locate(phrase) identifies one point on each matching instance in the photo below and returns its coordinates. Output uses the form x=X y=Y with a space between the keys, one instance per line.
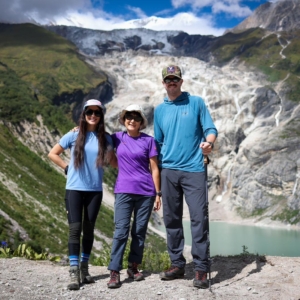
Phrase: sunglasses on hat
x=169 y=80
x=90 y=112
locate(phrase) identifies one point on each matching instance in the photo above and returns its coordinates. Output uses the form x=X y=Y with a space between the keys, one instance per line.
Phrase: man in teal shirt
x=184 y=133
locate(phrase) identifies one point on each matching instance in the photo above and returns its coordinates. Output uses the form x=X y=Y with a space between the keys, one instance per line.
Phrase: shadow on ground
x=225 y=268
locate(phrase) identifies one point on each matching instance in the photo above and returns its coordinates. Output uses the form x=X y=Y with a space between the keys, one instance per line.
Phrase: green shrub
x=153 y=260
x=288 y=215
x=24 y=250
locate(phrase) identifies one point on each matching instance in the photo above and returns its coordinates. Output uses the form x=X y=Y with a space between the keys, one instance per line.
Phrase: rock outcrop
x=281 y=15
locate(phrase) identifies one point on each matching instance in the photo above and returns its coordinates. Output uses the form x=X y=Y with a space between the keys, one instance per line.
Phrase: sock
x=74 y=260
x=85 y=257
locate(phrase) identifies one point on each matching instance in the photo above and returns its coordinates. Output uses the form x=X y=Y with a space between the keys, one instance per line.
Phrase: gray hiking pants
x=175 y=184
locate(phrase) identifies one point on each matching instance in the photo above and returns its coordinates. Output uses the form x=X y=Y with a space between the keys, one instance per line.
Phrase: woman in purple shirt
x=137 y=190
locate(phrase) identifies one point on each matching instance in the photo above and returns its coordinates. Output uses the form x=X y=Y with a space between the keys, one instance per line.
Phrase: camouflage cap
x=171 y=71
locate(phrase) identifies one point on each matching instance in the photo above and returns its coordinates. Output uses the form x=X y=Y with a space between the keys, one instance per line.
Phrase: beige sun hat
x=137 y=108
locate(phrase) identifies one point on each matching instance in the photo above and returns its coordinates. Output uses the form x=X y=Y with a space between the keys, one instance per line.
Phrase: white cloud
x=87 y=20
x=21 y=10
x=164 y=12
x=140 y=14
x=80 y=13
x=187 y=22
x=231 y=7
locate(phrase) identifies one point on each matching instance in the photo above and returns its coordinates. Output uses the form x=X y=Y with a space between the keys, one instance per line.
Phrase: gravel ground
x=232 y=278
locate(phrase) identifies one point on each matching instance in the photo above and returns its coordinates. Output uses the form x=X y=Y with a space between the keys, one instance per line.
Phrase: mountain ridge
x=282 y=15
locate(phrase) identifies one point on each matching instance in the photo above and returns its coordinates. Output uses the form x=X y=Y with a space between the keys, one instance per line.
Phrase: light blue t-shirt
x=179 y=128
x=88 y=177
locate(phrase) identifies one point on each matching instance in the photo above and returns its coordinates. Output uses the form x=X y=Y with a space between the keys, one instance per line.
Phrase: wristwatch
x=66 y=169
x=211 y=144
x=158 y=194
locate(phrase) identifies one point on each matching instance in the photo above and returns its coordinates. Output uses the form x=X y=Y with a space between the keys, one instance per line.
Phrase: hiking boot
x=114 y=281
x=173 y=273
x=200 y=280
x=133 y=272
x=84 y=273
x=74 y=278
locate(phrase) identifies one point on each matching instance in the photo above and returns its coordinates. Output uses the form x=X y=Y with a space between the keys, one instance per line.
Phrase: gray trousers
x=142 y=207
x=175 y=184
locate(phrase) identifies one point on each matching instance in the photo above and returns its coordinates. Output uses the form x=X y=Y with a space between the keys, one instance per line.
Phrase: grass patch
x=288 y=216
x=258 y=212
x=291 y=129
x=45 y=60
x=36 y=67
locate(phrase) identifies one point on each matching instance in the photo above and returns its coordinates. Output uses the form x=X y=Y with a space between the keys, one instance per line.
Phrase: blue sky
x=193 y=16
x=236 y=10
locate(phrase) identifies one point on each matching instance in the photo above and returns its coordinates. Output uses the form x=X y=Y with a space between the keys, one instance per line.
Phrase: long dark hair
x=80 y=142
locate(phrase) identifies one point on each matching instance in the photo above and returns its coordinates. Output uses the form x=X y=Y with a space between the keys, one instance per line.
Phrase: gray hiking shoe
x=133 y=272
x=74 y=278
x=84 y=273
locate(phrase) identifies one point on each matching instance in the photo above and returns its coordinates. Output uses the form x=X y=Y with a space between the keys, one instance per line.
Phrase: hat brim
x=122 y=115
x=172 y=75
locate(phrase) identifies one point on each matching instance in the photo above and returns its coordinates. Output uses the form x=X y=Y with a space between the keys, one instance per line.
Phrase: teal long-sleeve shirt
x=179 y=128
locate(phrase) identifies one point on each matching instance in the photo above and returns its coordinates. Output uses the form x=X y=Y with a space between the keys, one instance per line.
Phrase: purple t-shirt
x=134 y=155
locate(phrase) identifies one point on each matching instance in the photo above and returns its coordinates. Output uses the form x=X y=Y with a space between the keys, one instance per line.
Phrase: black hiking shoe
x=133 y=272
x=84 y=273
x=114 y=281
x=200 y=280
x=173 y=273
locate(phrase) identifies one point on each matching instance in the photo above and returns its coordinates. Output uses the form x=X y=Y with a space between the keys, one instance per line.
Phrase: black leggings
x=80 y=203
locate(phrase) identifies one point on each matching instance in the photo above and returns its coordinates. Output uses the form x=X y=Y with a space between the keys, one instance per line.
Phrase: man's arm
x=207 y=146
x=209 y=130
x=158 y=134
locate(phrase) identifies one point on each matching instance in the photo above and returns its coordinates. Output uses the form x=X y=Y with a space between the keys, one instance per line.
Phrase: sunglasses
x=90 y=112
x=136 y=118
x=169 y=80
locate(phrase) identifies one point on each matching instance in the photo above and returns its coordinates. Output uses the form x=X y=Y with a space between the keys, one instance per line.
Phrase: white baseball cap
x=92 y=102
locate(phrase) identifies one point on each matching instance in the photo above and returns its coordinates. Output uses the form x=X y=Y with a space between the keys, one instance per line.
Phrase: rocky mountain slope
x=170 y=43
x=255 y=165
x=282 y=15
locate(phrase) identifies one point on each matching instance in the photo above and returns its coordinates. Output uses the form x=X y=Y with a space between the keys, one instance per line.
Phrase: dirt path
x=271 y=278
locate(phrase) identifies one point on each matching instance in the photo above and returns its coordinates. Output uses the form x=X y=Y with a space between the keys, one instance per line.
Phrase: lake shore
x=218 y=212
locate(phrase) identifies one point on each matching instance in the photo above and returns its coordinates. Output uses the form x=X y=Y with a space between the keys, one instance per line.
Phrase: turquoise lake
x=229 y=239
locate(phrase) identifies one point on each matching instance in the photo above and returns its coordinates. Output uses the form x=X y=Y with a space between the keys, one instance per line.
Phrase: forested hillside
x=43 y=79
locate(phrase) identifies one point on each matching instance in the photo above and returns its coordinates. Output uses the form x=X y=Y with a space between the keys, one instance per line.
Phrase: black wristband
x=211 y=145
x=66 y=169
